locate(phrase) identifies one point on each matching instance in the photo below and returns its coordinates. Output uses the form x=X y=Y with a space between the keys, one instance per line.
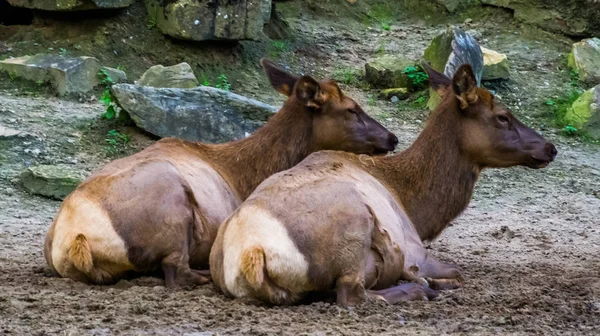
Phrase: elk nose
x=393 y=140
x=551 y=150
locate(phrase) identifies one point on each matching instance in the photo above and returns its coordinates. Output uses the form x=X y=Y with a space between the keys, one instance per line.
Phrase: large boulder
x=448 y=51
x=495 y=65
x=176 y=76
x=584 y=114
x=201 y=20
x=65 y=74
x=200 y=114
x=585 y=60
x=54 y=181
x=70 y=5
x=571 y=17
x=387 y=71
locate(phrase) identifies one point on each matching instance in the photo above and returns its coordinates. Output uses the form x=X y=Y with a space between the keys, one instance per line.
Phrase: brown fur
x=358 y=223
x=161 y=208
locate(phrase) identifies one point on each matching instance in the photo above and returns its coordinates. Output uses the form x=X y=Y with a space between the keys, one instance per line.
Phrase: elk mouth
x=380 y=151
x=538 y=163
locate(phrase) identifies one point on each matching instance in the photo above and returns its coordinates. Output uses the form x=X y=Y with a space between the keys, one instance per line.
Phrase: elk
x=354 y=224
x=160 y=209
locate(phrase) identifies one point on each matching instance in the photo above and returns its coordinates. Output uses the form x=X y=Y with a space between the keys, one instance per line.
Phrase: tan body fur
x=161 y=208
x=354 y=223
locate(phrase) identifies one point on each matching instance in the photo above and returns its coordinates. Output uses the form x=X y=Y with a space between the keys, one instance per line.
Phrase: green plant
x=115 y=142
x=151 y=24
x=569 y=130
x=346 y=75
x=205 y=81
x=12 y=75
x=62 y=51
x=372 y=100
x=381 y=15
x=78 y=46
x=417 y=77
x=39 y=82
x=276 y=48
x=223 y=84
x=107 y=97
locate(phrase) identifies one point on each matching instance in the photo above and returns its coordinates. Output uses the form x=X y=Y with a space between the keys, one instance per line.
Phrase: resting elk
x=353 y=224
x=160 y=209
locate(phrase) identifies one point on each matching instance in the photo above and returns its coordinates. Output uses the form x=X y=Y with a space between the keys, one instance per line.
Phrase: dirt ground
x=529 y=242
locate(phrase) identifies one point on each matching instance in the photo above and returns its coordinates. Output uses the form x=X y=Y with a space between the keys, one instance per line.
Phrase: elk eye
x=503 y=119
x=353 y=111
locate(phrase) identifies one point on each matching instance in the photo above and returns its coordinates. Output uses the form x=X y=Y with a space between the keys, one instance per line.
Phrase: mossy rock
x=585 y=60
x=388 y=72
x=202 y=20
x=176 y=76
x=53 y=181
x=584 y=114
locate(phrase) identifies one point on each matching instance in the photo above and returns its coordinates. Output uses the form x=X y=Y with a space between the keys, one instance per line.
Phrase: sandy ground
x=529 y=244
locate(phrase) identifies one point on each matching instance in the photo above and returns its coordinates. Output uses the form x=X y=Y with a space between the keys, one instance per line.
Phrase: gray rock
x=387 y=71
x=70 y=5
x=118 y=76
x=574 y=17
x=54 y=181
x=66 y=74
x=200 y=114
x=495 y=65
x=175 y=76
x=585 y=60
x=202 y=20
x=8 y=132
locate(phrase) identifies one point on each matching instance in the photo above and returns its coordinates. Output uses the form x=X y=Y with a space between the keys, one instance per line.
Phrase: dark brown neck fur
x=280 y=144
x=432 y=178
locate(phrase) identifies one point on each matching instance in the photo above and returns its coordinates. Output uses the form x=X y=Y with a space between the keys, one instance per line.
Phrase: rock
x=574 y=17
x=453 y=5
x=54 y=181
x=200 y=114
x=448 y=51
x=400 y=93
x=118 y=76
x=65 y=74
x=495 y=65
x=175 y=76
x=201 y=20
x=70 y=5
x=585 y=60
x=388 y=72
x=584 y=114
x=8 y=132
x=453 y=48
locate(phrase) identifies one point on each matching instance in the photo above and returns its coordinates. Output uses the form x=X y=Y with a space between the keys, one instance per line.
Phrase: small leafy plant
x=277 y=48
x=115 y=142
x=223 y=83
x=569 y=130
x=107 y=97
x=417 y=77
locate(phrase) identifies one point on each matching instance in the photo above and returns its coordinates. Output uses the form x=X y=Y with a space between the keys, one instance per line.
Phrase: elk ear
x=282 y=81
x=464 y=86
x=437 y=80
x=308 y=91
